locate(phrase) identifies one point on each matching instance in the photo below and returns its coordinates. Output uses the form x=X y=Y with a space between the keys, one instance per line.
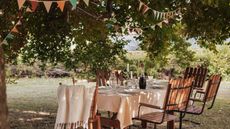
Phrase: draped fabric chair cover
x=74 y=106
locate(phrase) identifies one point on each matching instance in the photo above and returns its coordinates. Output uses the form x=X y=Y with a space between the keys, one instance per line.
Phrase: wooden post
x=4 y=124
x=170 y=124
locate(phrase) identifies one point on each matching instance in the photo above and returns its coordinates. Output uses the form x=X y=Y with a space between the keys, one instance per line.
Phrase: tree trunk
x=3 y=98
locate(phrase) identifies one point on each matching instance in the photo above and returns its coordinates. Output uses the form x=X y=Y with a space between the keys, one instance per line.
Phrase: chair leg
x=98 y=122
x=143 y=124
x=181 y=120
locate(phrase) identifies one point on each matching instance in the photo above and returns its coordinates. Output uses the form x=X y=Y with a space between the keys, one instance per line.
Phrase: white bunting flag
x=140 y=5
x=19 y=23
x=157 y=15
x=20 y=3
x=154 y=13
x=86 y=2
x=28 y=10
x=47 y=5
x=160 y=24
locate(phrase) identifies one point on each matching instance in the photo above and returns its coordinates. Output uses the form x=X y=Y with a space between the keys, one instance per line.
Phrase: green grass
x=33 y=105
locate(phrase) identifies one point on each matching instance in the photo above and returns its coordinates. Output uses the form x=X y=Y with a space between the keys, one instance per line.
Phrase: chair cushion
x=155 y=117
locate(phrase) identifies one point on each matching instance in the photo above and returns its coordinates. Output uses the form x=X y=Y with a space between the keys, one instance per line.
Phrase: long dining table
x=123 y=102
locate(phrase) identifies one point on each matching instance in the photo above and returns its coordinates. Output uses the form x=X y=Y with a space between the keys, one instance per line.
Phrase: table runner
x=74 y=104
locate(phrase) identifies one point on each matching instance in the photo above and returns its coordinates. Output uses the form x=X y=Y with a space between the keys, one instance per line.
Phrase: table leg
x=143 y=124
x=170 y=124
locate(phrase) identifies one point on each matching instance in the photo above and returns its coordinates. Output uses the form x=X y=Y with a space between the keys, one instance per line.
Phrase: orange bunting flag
x=34 y=5
x=20 y=3
x=145 y=9
x=28 y=10
x=47 y=5
x=61 y=5
x=15 y=30
x=86 y=2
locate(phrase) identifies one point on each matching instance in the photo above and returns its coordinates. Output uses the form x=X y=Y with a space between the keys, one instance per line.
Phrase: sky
x=133 y=43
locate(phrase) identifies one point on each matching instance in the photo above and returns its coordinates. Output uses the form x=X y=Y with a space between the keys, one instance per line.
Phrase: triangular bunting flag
x=172 y=14
x=34 y=5
x=47 y=5
x=157 y=15
x=166 y=21
x=20 y=3
x=145 y=9
x=19 y=23
x=161 y=16
x=154 y=13
x=160 y=24
x=140 y=5
x=74 y=3
x=9 y=36
x=28 y=10
x=167 y=15
x=61 y=5
x=86 y=2
x=164 y=15
x=15 y=30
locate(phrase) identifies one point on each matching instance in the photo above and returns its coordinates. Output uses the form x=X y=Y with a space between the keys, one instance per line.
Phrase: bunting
x=29 y=10
x=86 y=2
x=15 y=30
x=47 y=5
x=34 y=5
x=20 y=3
x=74 y=3
x=61 y=5
x=157 y=15
x=140 y=5
x=145 y=9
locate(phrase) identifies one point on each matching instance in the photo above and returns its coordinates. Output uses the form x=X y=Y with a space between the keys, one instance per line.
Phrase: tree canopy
x=71 y=35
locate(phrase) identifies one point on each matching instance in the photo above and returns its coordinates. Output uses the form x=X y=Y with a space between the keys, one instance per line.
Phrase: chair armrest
x=200 y=91
x=197 y=100
x=150 y=106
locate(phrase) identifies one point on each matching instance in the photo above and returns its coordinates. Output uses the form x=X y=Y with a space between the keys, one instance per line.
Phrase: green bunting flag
x=74 y=3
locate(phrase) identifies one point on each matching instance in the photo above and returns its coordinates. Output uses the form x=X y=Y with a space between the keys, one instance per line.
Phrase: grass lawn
x=33 y=105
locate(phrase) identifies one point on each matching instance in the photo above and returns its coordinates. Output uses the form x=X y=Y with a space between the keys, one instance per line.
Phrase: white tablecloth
x=74 y=104
x=126 y=105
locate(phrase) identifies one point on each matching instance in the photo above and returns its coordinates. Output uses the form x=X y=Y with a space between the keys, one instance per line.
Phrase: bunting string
x=144 y=8
x=14 y=28
x=48 y=4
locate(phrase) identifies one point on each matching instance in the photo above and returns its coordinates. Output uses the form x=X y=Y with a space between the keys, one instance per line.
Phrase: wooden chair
x=95 y=119
x=177 y=98
x=199 y=75
x=208 y=96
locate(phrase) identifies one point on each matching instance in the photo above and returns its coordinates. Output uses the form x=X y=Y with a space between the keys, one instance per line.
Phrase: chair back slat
x=213 y=86
x=199 y=75
x=178 y=92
